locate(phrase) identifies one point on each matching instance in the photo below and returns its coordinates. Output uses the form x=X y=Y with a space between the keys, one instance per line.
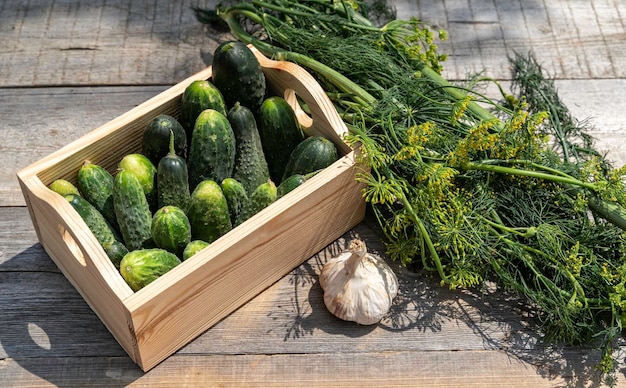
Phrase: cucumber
x=132 y=211
x=155 y=143
x=238 y=75
x=250 y=167
x=172 y=180
x=97 y=224
x=289 y=184
x=194 y=247
x=96 y=186
x=212 y=150
x=116 y=251
x=63 y=187
x=261 y=197
x=236 y=198
x=280 y=134
x=106 y=235
x=145 y=171
x=208 y=212
x=198 y=96
x=141 y=267
x=312 y=154
x=171 y=229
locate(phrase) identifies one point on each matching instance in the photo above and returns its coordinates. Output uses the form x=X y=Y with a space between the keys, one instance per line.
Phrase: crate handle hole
x=292 y=99
x=72 y=245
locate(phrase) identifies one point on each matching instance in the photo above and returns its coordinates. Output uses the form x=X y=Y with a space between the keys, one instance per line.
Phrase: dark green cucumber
x=132 y=211
x=312 y=154
x=143 y=266
x=194 y=247
x=172 y=180
x=208 y=212
x=146 y=172
x=63 y=187
x=237 y=199
x=198 y=96
x=99 y=226
x=212 y=150
x=250 y=165
x=96 y=186
x=106 y=235
x=293 y=181
x=238 y=75
x=280 y=134
x=116 y=251
x=171 y=229
x=289 y=184
x=155 y=143
x=261 y=197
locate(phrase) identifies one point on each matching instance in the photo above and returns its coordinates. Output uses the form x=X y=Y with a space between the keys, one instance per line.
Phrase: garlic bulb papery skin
x=358 y=286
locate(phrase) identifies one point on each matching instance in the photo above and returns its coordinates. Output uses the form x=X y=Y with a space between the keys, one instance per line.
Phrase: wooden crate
x=159 y=319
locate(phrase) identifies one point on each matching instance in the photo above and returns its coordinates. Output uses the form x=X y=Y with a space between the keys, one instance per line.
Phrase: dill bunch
x=469 y=188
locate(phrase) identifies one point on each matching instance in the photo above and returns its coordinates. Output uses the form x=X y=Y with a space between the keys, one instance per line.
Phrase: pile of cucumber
x=233 y=150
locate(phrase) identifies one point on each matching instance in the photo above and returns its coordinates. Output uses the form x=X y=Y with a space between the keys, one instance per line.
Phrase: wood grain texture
x=572 y=39
x=117 y=42
x=444 y=369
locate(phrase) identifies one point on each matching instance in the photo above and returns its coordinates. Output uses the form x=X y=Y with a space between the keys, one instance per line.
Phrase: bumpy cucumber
x=238 y=75
x=171 y=229
x=141 y=267
x=145 y=171
x=63 y=187
x=261 y=197
x=106 y=235
x=212 y=150
x=280 y=134
x=312 y=154
x=194 y=247
x=95 y=221
x=198 y=96
x=208 y=212
x=172 y=180
x=132 y=211
x=96 y=186
x=237 y=199
x=155 y=143
x=250 y=165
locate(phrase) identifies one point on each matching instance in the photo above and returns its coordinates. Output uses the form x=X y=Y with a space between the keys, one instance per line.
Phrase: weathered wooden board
x=573 y=39
x=155 y=42
x=442 y=369
x=117 y=42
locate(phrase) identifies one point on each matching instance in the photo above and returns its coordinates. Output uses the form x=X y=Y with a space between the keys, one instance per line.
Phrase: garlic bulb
x=358 y=286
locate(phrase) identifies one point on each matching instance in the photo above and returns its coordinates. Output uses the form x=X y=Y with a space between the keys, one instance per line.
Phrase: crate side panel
x=77 y=253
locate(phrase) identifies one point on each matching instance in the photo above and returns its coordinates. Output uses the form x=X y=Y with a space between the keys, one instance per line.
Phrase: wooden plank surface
x=69 y=66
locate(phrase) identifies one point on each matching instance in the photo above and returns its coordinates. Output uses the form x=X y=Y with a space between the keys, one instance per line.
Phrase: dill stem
x=422 y=228
x=458 y=94
x=529 y=173
x=522 y=232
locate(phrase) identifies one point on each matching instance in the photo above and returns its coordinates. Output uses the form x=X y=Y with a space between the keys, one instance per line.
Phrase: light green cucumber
x=208 y=212
x=132 y=211
x=237 y=199
x=143 y=266
x=171 y=229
